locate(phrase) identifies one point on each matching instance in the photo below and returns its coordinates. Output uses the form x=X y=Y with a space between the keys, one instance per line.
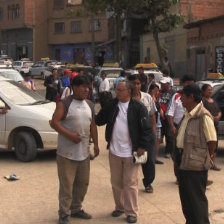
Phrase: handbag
x=140 y=159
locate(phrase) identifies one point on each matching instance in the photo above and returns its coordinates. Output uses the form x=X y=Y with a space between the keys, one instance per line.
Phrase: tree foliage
x=157 y=12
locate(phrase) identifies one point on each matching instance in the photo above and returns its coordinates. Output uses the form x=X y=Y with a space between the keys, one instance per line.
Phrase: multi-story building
x=59 y=29
x=23 y=26
x=72 y=32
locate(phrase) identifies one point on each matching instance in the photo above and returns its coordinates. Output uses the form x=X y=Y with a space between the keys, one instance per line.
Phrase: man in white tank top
x=75 y=122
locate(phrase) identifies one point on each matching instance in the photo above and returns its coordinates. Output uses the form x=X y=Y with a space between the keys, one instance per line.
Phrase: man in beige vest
x=196 y=142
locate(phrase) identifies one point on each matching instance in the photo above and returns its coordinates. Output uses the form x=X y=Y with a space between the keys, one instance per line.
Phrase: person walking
x=74 y=121
x=52 y=86
x=144 y=80
x=165 y=96
x=154 y=92
x=148 y=168
x=104 y=90
x=196 y=142
x=128 y=130
x=215 y=111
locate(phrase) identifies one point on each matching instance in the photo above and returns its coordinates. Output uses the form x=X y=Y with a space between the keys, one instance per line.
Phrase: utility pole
x=92 y=22
x=34 y=31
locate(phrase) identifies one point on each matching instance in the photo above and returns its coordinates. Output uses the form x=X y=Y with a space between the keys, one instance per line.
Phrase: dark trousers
x=165 y=130
x=192 y=187
x=148 y=169
x=104 y=98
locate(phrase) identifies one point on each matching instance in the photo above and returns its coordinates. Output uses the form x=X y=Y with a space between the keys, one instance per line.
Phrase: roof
x=199 y=22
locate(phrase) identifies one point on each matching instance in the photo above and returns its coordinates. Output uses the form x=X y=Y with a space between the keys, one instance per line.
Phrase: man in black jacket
x=128 y=130
x=52 y=86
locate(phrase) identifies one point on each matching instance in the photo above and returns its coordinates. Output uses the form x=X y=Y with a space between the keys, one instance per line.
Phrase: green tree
x=160 y=19
x=118 y=9
x=157 y=12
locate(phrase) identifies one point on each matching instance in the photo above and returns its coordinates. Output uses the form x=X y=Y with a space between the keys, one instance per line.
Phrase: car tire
x=25 y=147
x=42 y=76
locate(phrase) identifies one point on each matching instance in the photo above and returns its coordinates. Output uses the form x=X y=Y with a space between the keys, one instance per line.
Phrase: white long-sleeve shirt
x=104 y=86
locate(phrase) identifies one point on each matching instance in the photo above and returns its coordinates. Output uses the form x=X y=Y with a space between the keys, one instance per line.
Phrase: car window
x=18 y=94
x=12 y=74
x=16 y=63
x=39 y=63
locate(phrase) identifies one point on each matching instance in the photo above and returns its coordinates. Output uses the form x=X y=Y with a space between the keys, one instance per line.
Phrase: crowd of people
x=137 y=120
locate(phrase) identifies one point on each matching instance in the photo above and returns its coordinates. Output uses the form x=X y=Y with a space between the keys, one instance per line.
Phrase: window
x=1 y=13
x=58 y=4
x=59 y=28
x=95 y=25
x=17 y=9
x=13 y=12
x=76 y=26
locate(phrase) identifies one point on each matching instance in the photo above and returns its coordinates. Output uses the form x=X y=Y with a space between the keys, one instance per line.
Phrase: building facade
x=72 y=32
x=205 y=45
x=23 y=24
x=58 y=29
x=175 y=42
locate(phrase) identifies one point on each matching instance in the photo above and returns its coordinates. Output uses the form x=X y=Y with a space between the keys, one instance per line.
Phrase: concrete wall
x=74 y=13
x=205 y=37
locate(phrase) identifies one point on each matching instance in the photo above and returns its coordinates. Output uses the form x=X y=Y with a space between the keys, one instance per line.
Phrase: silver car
x=39 y=69
x=22 y=66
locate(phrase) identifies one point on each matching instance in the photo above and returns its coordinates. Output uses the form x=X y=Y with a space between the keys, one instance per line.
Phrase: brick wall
x=200 y=9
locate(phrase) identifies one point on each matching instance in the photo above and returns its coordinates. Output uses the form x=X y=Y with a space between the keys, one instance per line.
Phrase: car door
x=2 y=125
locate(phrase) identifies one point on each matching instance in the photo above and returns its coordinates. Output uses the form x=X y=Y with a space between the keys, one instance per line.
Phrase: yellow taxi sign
x=45 y=59
x=148 y=65
x=216 y=75
x=74 y=65
x=111 y=64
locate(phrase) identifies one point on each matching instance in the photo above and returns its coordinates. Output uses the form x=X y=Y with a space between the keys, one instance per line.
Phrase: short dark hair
x=134 y=77
x=153 y=86
x=194 y=90
x=165 y=71
x=140 y=68
x=54 y=69
x=186 y=78
x=80 y=80
x=151 y=75
x=204 y=87
x=122 y=73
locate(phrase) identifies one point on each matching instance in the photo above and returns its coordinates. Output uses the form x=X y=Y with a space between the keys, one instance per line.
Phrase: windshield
x=18 y=94
x=12 y=74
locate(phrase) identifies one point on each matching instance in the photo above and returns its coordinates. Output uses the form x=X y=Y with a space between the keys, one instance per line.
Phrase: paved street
x=34 y=198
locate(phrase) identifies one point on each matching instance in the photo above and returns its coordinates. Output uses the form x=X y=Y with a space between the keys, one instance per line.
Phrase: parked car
x=11 y=74
x=22 y=66
x=148 y=68
x=25 y=127
x=218 y=96
x=39 y=69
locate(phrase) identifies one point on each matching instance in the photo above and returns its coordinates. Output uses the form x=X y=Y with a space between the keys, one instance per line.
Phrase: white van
x=25 y=127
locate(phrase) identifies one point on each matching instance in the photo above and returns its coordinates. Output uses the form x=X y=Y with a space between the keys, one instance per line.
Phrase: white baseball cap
x=165 y=80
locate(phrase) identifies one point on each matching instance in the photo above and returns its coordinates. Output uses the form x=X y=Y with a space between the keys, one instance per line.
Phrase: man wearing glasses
x=128 y=130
